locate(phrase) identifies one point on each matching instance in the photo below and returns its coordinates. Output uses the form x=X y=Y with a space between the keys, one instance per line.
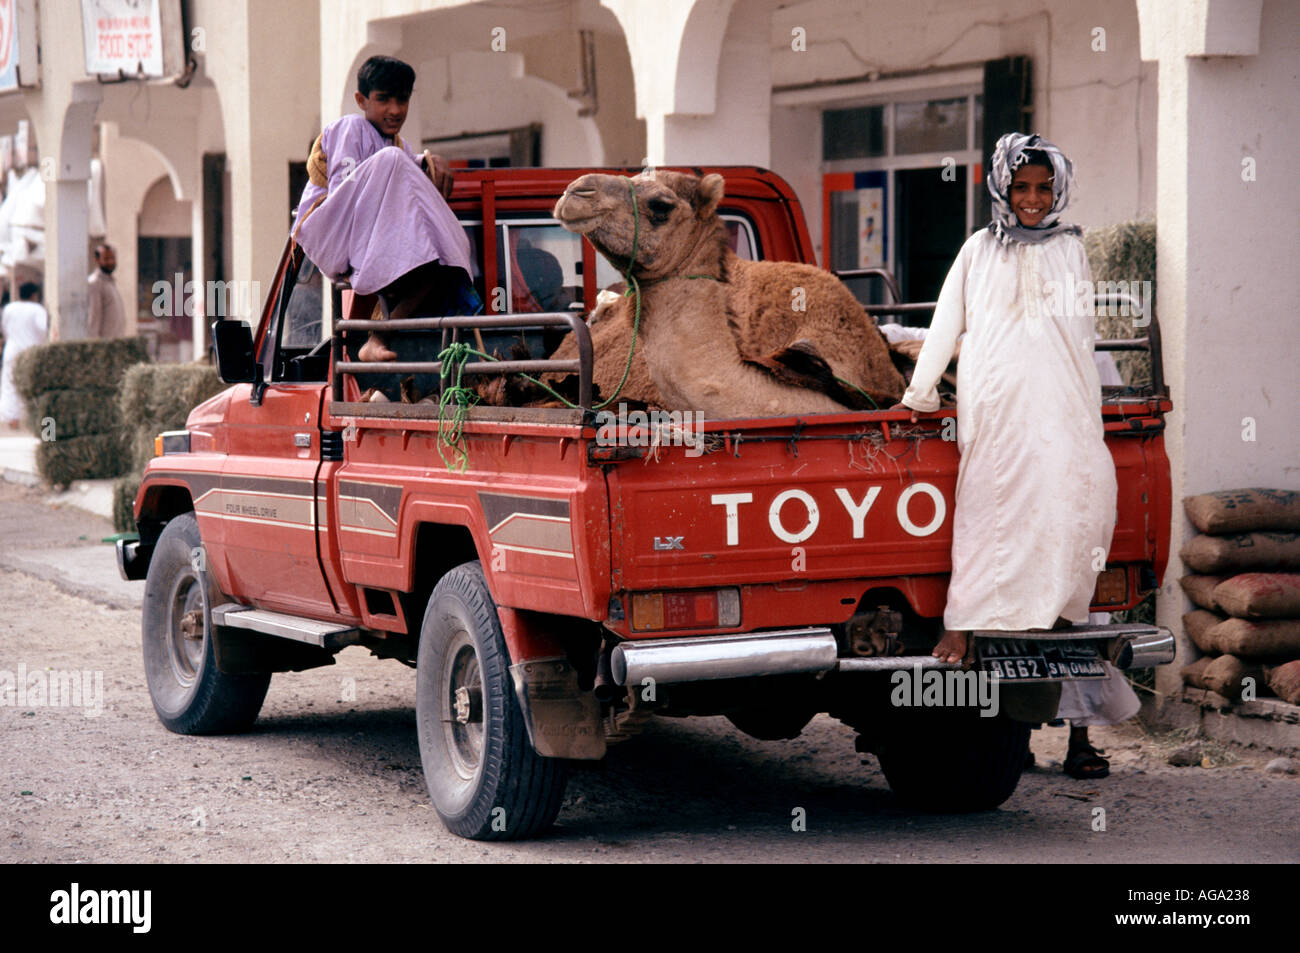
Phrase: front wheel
x=189 y=693
x=952 y=760
x=485 y=779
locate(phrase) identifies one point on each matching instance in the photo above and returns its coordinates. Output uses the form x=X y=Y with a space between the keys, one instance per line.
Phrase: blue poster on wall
x=872 y=249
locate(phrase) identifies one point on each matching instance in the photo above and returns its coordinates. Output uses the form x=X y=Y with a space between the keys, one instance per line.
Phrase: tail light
x=685 y=609
x=1112 y=587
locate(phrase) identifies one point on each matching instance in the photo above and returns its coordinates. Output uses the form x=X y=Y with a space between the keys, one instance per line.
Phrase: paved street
x=320 y=778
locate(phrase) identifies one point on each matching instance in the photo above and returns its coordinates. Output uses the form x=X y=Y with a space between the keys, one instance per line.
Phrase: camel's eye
x=660 y=209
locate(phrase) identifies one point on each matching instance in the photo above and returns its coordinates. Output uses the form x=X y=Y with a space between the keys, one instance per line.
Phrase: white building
x=1182 y=111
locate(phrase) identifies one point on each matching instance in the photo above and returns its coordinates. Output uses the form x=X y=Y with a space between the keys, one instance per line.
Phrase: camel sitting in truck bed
x=721 y=335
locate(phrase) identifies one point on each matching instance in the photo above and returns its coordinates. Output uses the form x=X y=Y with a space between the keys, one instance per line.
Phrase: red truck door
x=268 y=495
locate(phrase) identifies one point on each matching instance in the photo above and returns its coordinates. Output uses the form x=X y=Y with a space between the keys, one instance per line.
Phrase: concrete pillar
x=1228 y=224
x=63 y=117
x=703 y=78
x=264 y=59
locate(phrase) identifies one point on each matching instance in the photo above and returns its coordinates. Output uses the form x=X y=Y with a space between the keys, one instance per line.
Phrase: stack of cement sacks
x=1245 y=582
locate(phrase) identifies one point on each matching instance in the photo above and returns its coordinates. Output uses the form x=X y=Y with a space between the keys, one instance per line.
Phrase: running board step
x=328 y=635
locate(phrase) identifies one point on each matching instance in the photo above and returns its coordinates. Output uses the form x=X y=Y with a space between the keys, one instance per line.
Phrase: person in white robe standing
x=24 y=324
x=1036 y=493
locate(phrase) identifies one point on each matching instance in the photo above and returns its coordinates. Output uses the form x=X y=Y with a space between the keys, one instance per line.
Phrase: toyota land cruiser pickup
x=579 y=573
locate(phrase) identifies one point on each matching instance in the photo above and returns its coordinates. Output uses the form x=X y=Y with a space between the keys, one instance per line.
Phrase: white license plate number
x=1026 y=660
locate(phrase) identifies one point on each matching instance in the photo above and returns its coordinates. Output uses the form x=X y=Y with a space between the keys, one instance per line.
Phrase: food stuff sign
x=123 y=37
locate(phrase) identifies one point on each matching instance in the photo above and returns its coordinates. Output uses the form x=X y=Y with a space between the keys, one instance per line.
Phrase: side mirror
x=233 y=341
x=236 y=364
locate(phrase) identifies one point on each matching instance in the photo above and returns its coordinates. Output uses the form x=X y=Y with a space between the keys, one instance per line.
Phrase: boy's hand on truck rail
x=439 y=173
x=901 y=406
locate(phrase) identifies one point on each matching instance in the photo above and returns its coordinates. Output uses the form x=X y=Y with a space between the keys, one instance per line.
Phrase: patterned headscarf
x=1010 y=153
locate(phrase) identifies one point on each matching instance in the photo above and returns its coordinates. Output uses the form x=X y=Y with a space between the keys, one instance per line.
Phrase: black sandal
x=1085 y=763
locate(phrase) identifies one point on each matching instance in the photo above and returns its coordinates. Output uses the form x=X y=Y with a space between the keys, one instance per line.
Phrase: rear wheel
x=952 y=759
x=189 y=694
x=485 y=779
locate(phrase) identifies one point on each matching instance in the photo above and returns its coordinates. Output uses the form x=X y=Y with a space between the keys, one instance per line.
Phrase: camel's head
x=676 y=220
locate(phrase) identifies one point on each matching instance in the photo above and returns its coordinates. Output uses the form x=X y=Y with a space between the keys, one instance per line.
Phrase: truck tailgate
x=817 y=510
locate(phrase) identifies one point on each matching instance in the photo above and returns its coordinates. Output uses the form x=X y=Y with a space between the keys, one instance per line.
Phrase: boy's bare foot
x=953 y=647
x=375 y=350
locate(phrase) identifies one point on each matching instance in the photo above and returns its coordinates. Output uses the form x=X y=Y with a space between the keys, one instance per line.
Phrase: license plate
x=1032 y=660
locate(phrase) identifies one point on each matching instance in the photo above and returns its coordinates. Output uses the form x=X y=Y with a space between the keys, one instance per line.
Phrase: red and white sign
x=122 y=36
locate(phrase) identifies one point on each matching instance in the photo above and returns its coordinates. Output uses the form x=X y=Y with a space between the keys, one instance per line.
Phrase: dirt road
x=331 y=771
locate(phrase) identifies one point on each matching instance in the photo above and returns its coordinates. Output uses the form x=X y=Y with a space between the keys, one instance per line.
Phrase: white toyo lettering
x=940 y=509
x=732 y=501
x=774 y=516
x=857 y=511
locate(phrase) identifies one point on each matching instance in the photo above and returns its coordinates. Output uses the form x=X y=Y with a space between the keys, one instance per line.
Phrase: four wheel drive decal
x=528 y=524
x=294 y=504
x=270 y=501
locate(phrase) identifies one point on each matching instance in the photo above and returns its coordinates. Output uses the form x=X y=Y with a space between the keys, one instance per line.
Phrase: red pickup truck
x=580 y=571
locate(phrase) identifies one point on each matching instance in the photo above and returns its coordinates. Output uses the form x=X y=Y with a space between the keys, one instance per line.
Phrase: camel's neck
x=705 y=257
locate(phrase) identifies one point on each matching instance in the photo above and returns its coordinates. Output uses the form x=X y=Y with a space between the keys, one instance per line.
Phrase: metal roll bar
x=572 y=320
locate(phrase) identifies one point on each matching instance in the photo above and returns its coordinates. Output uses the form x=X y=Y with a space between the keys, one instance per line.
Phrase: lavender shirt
x=381 y=217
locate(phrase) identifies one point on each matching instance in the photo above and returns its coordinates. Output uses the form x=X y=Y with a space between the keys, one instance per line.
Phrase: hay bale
x=77 y=365
x=140 y=448
x=73 y=413
x=1124 y=252
x=133 y=395
x=159 y=397
x=124 y=491
x=90 y=457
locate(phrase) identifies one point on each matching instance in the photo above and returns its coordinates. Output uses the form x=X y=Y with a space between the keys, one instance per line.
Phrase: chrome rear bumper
x=814 y=650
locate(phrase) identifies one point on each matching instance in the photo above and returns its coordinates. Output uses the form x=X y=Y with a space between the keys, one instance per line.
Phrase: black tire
x=189 y=694
x=951 y=760
x=485 y=779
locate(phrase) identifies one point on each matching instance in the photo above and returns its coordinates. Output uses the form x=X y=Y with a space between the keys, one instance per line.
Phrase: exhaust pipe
x=786 y=652
x=605 y=688
x=1146 y=650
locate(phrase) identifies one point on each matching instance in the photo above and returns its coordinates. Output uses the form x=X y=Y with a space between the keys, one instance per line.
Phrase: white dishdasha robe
x=1036 y=492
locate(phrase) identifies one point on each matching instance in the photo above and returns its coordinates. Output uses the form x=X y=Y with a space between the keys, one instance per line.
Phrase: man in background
x=24 y=323
x=107 y=318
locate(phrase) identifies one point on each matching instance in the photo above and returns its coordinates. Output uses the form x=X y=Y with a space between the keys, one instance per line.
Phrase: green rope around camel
x=451 y=434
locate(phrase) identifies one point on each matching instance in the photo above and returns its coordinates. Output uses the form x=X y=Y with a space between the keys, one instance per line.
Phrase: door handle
x=302 y=440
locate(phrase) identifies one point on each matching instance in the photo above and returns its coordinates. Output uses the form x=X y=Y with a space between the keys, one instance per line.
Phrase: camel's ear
x=708 y=195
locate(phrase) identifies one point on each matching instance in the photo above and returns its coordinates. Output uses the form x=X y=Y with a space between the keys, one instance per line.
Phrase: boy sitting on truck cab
x=375 y=215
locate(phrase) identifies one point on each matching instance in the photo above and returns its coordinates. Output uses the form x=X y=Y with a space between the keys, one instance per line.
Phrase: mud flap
x=562 y=720
x=1034 y=702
